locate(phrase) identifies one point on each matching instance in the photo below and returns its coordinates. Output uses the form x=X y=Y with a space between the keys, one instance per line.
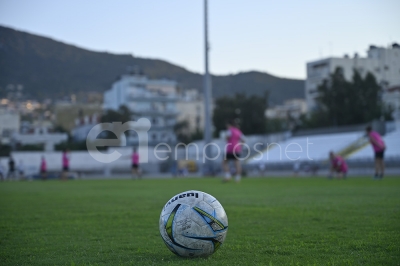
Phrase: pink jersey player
x=234 y=139
x=43 y=168
x=65 y=161
x=379 y=147
x=135 y=164
x=376 y=141
x=339 y=164
x=135 y=158
x=43 y=165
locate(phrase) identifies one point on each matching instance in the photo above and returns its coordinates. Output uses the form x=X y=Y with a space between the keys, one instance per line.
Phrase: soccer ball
x=193 y=224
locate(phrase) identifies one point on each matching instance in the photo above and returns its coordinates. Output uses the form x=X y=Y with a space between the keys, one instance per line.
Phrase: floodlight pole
x=207 y=91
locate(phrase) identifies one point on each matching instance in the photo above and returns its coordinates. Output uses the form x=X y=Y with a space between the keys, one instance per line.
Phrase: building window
x=154 y=136
x=6 y=133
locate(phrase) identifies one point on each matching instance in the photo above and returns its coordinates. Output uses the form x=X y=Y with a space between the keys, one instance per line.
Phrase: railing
x=330 y=130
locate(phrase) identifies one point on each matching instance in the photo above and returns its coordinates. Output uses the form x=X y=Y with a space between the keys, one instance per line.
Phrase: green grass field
x=274 y=221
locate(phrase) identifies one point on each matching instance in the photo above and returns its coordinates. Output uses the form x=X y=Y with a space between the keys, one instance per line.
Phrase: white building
x=383 y=63
x=191 y=109
x=9 y=125
x=40 y=135
x=146 y=98
x=291 y=108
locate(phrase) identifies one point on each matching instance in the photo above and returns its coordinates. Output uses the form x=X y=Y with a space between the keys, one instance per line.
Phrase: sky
x=277 y=37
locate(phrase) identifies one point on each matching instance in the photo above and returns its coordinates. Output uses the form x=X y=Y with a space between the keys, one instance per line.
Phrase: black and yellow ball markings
x=168 y=227
x=215 y=224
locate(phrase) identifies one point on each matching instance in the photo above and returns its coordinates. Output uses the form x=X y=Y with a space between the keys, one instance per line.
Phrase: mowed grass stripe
x=274 y=221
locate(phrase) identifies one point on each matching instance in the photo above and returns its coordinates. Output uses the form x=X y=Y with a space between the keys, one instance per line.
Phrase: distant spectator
x=296 y=168
x=11 y=168
x=314 y=168
x=65 y=164
x=21 y=170
x=184 y=171
x=135 y=164
x=182 y=168
x=338 y=166
x=43 y=169
x=379 y=149
x=261 y=168
x=2 y=172
x=306 y=167
x=174 y=168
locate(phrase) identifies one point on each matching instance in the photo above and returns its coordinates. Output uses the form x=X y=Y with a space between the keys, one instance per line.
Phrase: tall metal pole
x=207 y=89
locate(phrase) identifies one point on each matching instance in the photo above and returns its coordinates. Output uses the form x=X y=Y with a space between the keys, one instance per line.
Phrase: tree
x=341 y=102
x=248 y=111
x=274 y=125
x=334 y=98
x=183 y=134
x=181 y=130
x=122 y=115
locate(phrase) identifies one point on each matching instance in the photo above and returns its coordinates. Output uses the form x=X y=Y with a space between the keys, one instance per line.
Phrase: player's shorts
x=232 y=156
x=65 y=168
x=135 y=166
x=379 y=154
x=43 y=171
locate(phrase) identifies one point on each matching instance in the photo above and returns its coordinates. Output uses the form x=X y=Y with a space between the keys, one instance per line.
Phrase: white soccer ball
x=193 y=224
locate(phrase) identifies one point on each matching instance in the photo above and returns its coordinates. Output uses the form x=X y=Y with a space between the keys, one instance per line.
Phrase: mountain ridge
x=48 y=68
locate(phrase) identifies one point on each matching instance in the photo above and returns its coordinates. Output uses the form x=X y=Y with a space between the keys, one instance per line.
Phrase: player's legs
x=382 y=164
x=331 y=172
x=10 y=175
x=44 y=175
x=135 y=171
x=344 y=174
x=238 y=170
x=381 y=167
x=340 y=175
x=64 y=174
x=225 y=167
x=228 y=157
x=377 y=168
x=21 y=175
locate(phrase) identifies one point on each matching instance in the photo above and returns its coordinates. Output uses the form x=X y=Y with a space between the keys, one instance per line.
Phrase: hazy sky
x=277 y=37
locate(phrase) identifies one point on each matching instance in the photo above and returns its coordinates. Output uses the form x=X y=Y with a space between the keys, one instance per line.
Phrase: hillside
x=49 y=69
